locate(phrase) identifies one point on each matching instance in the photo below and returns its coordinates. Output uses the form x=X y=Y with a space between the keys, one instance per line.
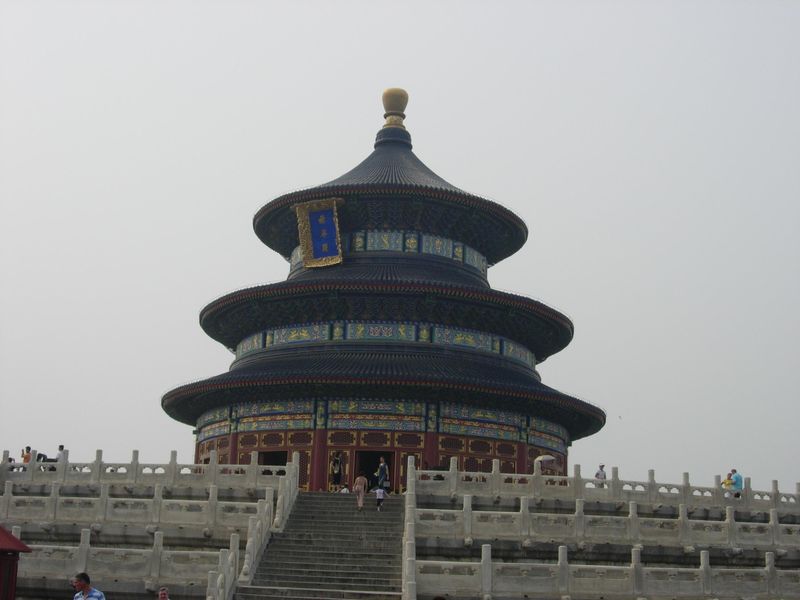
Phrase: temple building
x=386 y=339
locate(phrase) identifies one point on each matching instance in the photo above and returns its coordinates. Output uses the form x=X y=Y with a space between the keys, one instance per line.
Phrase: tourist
x=380 y=496
x=345 y=489
x=737 y=484
x=336 y=470
x=360 y=488
x=83 y=589
x=26 y=455
x=727 y=483
x=60 y=454
x=163 y=594
x=382 y=473
x=601 y=476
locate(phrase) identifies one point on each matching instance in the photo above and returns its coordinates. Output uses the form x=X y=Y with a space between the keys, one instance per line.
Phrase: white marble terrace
x=543 y=515
x=81 y=502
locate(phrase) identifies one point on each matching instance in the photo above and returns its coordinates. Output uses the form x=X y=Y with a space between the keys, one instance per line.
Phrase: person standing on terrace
x=601 y=476
x=737 y=484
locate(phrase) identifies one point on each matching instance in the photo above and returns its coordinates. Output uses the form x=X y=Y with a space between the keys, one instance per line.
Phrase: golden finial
x=394 y=103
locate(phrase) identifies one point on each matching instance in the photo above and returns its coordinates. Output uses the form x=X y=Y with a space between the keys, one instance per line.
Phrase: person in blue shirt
x=737 y=485
x=83 y=589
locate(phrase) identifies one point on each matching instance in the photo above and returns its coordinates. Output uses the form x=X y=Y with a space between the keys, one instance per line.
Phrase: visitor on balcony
x=163 y=593
x=601 y=476
x=737 y=484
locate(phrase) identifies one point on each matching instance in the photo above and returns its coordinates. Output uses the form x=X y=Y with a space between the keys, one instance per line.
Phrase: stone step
x=308 y=552
x=306 y=593
x=332 y=583
x=292 y=568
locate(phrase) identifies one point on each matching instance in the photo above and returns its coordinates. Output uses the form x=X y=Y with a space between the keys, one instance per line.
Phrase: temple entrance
x=277 y=457
x=367 y=463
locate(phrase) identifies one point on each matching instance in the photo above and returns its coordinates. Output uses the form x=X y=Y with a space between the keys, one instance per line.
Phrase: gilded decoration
x=452 y=336
x=275 y=422
x=433 y=244
x=318 y=230
x=384 y=422
x=214 y=430
x=398 y=407
x=385 y=240
x=213 y=416
x=249 y=344
x=477 y=429
x=381 y=331
x=544 y=440
x=317 y=332
x=412 y=242
x=473 y=413
x=257 y=409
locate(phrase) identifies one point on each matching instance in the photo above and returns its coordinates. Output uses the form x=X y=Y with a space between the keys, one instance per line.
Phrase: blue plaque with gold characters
x=318 y=229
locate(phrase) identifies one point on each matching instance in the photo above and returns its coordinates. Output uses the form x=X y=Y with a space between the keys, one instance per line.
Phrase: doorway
x=367 y=463
x=274 y=458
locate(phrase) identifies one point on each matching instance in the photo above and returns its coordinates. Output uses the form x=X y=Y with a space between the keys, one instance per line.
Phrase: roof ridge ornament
x=395 y=101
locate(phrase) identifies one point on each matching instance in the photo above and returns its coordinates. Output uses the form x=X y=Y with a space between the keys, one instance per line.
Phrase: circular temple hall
x=386 y=339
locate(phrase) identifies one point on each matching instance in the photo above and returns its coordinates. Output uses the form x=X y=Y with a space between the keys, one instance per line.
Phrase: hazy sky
x=651 y=147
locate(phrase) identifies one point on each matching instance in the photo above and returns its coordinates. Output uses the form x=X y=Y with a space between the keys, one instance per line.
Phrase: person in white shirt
x=601 y=475
x=345 y=489
x=380 y=495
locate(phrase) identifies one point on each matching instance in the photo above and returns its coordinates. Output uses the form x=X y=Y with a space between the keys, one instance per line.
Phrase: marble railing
x=487 y=579
x=132 y=473
x=154 y=566
x=155 y=511
x=564 y=488
x=529 y=527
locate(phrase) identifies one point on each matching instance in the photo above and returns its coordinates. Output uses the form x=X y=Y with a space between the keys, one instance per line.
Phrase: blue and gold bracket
x=318 y=229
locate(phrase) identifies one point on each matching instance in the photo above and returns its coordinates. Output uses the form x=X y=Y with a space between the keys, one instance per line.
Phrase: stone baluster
x=466 y=515
x=253 y=469
x=32 y=467
x=563 y=570
x=158 y=502
x=211 y=468
x=211 y=515
x=496 y=477
x=772 y=574
x=775 y=495
x=411 y=477
x=486 y=571
x=7 y=500
x=774 y=527
x=684 y=531
x=452 y=475
x=82 y=553
x=730 y=525
x=797 y=490
x=634 y=533
x=580 y=521
x=16 y=531
x=157 y=553
x=234 y=548
x=747 y=493
x=62 y=467
x=102 y=503
x=97 y=467
x=5 y=468
x=652 y=486
x=577 y=482
x=525 y=517
x=133 y=473
x=279 y=504
x=705 y=572
x=171 y=472
x=616 y=486
x=269 y=499
x=686 y=489
x=410 y=568
x=537 y=480
x=52 y=501
x=637 y=576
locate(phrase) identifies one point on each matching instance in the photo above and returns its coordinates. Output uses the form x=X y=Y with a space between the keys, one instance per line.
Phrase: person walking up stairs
x=329 y=549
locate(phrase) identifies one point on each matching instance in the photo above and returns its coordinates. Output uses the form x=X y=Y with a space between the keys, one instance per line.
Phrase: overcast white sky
x=651 y=147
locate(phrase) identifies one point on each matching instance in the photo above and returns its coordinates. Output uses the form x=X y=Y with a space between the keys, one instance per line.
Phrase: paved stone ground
x=330 y=550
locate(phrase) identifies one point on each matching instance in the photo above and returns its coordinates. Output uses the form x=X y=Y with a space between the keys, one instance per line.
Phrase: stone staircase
x=330 y=550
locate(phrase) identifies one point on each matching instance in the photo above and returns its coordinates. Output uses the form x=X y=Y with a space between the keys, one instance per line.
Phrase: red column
x=319 y=461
